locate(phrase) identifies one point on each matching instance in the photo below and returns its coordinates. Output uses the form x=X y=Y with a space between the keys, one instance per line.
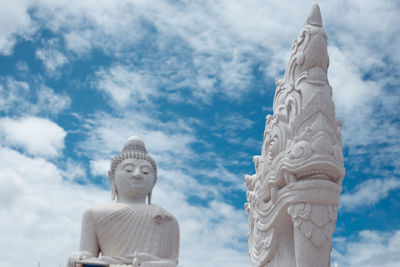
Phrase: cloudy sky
x=194 y=79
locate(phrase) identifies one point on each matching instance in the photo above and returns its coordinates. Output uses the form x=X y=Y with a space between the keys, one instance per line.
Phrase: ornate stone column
x=293 y=197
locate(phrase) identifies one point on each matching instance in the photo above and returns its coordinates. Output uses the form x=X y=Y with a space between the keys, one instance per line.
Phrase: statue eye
x=145 y=170
x=129 y=168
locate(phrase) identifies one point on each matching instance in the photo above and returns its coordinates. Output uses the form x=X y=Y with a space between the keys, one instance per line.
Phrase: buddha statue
x=129 y=232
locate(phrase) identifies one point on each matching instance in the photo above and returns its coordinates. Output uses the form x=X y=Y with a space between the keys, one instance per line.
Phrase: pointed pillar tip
x=314 y=18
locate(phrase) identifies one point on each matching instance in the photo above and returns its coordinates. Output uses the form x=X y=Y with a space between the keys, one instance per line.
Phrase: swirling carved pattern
x=275 y=142
x=263 y=251
x=301 y=150
x=315 y=221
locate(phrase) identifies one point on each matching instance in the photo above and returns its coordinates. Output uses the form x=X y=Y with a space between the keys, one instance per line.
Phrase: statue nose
x=136 y=173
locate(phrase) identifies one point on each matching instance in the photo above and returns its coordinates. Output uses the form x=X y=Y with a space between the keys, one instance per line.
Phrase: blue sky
x=194 y=79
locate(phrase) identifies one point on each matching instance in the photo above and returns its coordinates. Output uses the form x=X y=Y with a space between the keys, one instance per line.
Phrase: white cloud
x=79 y=43
x=50 y=102
x=222 y=40
x=22 y=66
x=100 y=167
x=51 y=58
x=233 y=122
x=41 y=213
x=368 y=248
x=125 y=86
x=368 y=193
x=367 y=31
x=12 y=92
x=30 y=97
x=214 y=27
x=37 y=136
x=355 y=98
x=230 y=127
x=14 y=20
x=74 y=171
x=165 y=140
x=221 y=58
x=107 y=25
x=351 y=92
x=364 y=55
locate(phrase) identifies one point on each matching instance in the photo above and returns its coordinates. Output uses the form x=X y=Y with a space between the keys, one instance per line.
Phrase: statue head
x=133 y=173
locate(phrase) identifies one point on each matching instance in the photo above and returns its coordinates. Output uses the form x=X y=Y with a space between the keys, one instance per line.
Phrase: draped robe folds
x=122 y=229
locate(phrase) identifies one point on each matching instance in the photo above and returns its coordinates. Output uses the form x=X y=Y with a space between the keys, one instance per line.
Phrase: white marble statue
x=129 y=231
x=293 y=197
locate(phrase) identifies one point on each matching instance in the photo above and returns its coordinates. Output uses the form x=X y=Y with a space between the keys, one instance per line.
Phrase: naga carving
x=294 y=194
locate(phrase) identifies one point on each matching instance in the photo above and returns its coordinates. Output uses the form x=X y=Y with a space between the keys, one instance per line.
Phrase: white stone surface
x=293 y=197
x=130 y=231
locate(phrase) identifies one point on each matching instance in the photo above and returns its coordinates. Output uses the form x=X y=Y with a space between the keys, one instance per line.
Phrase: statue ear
x=113 y=188
x=149 y=194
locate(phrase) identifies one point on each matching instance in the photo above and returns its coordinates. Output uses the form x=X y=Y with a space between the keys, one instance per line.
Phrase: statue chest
x=126 y=230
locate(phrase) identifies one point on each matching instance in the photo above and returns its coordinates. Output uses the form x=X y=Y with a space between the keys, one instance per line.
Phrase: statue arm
x=174 y=254
x=89 y=241
x=89 y=245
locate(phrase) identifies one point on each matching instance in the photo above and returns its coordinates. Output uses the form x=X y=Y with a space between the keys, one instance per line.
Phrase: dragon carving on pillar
x=294 y=194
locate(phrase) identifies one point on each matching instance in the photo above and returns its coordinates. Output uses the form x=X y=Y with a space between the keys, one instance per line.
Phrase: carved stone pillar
x=293 y=197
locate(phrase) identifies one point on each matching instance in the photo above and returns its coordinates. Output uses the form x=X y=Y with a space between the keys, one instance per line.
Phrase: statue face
x=134 y=178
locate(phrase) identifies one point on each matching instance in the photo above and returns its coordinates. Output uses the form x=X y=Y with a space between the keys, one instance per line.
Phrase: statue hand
x=144 y=259
x=139 y=257
x=77 y=256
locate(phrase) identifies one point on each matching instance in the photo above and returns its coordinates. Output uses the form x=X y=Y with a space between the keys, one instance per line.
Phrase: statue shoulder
x=96 y=212
x=162 y=214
